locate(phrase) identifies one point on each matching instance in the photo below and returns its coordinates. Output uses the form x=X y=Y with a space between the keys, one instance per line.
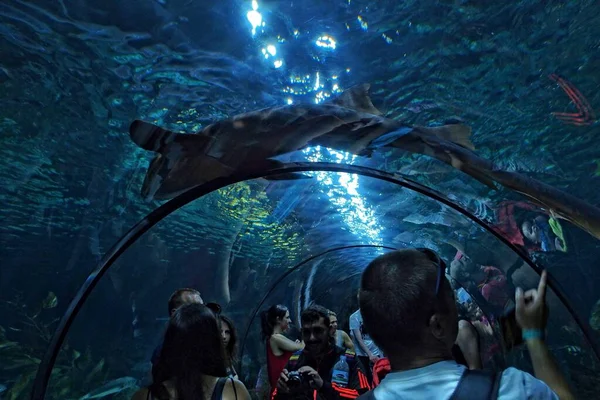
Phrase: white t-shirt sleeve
x=354 y=321
x=517 y=384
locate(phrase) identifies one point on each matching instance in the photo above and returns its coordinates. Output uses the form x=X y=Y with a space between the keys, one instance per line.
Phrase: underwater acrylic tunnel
x=46 y=365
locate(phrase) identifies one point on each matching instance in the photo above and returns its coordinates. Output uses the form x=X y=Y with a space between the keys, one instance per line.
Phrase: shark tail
x=150 y=137
x=456 y=133
x=357 y=98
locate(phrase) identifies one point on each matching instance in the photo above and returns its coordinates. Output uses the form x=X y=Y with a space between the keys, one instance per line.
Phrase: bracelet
x=532 y=334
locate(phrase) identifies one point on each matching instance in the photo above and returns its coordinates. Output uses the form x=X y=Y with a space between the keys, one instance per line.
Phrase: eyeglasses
x=440 y=264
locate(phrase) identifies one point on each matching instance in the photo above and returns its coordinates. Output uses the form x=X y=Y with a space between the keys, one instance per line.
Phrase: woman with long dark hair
x=274 y=322
x=229 y=334
x=192 y=364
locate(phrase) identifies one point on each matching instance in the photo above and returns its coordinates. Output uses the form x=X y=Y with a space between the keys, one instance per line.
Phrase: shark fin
x=456 y=133
x=149 y=136
x=154 y=138
x=357 y=98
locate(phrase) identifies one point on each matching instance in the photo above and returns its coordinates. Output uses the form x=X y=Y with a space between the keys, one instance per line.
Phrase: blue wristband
x=532 y=334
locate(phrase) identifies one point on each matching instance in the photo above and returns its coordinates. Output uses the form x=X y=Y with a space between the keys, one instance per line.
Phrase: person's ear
x=437 y=326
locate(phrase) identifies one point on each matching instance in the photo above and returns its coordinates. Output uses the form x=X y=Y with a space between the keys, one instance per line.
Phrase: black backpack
x=473 y=385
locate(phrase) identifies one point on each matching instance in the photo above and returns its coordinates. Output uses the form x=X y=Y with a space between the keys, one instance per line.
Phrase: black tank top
x=217 y=393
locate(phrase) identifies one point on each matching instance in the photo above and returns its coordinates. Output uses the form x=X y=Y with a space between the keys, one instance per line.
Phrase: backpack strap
x=217 y=393
x=475 y=384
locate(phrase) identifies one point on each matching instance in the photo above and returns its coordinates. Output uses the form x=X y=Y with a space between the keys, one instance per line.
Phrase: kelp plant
x=23 y=343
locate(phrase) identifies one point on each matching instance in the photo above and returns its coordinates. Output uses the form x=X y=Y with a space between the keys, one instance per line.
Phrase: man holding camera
x=322 y=370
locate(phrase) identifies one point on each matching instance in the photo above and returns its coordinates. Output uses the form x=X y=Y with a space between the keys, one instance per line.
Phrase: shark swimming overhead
x=348 y=123
x=249 y=141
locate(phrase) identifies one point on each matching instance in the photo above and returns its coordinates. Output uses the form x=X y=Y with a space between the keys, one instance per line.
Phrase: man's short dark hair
x=397 y=298
x=176 y=299
x=313 y=313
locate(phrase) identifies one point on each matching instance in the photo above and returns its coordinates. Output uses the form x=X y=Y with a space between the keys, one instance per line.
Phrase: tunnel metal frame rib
x=47 y=363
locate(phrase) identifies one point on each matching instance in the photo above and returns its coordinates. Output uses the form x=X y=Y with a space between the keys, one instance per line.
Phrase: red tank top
x=276 y=364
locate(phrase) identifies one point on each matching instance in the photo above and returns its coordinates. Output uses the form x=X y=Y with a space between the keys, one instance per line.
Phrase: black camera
x=297 y=379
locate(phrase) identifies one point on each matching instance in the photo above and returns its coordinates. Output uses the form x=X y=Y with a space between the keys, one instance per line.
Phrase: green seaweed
x=74 y=373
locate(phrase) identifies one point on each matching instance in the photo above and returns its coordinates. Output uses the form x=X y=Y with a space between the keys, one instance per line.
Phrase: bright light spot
x=342 y=191
x=326 y=41
x=347 y=69
x=386 y=38
x=321 y=96
x=334 y=77
x=289 y=100
x=278 y=63
x=363 y=23
x=296 y=33
x=271 y=49
x=335 y=87
x=254 y=17
x=318 y=82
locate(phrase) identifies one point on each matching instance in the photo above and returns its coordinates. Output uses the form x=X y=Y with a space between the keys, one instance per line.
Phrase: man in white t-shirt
x=409 y=309
x=364 y=347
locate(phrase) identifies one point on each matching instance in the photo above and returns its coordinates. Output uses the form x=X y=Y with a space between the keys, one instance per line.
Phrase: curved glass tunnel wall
x=253 y=232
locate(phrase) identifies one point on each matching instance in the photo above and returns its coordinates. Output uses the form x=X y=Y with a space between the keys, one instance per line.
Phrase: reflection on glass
x=363 y=23
x=326 y=41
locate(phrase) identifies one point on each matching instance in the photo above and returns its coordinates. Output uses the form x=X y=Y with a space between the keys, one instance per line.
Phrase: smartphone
x=511 y=332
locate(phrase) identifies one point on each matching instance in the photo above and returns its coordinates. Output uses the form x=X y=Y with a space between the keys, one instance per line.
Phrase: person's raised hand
x=530 y=310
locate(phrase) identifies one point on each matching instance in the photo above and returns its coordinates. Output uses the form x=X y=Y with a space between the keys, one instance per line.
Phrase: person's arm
x=285 y=344
x=347 y=341
x=546 y=369
x=361 y=343
x=531 y=316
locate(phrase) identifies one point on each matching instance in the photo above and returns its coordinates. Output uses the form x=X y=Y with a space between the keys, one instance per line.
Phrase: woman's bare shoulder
x=240 y=392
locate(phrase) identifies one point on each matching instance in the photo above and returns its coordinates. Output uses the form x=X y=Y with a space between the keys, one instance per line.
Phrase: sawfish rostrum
x=250 y=141
x=348 y=123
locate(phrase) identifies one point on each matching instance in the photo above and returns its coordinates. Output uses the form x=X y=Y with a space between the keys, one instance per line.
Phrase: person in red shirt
x=274 y=322
x=489 y=281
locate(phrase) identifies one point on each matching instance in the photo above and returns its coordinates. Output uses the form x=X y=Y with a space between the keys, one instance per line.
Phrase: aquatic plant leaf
x=595 y=316
x=94 y=371
x=7 y=345
x=50 y=301
x=23 y=382
x=23 y=361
